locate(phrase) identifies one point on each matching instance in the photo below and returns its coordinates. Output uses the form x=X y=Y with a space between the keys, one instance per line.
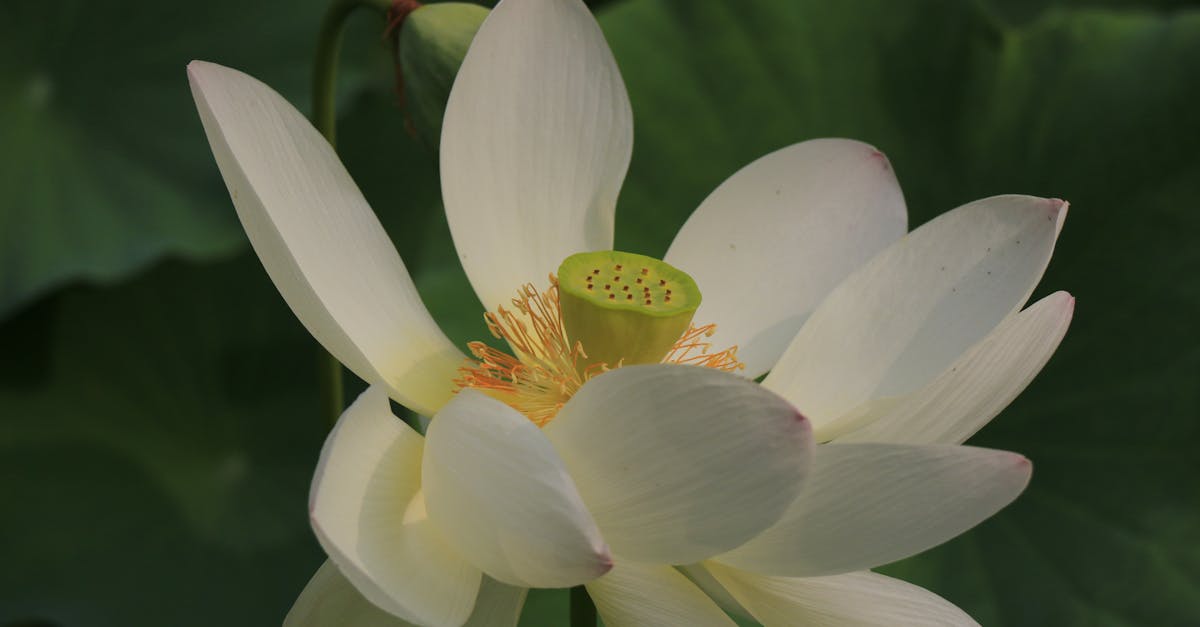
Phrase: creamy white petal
x=653 y=595
x=778 y=235
x=536 y=141
x=498 y=604
x=500 y=494
x=679 y=463
x=369 y=515
x=700 y=575
x=979 y=385
x=910 y=312
x=319 y=240
x=329 y=600
x=861 y=599
x=865 y=505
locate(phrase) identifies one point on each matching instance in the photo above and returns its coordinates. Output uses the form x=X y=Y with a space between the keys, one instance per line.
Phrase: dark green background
x=158 y=420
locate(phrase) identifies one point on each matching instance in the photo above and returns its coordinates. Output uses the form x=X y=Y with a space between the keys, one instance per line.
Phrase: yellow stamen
x=692 y=350
x=542 y=374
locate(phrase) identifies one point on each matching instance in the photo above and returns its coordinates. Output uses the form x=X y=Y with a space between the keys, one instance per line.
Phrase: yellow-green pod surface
x=623 y=307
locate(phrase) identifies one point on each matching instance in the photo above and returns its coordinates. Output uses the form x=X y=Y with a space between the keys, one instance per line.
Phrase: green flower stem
x=329 y=44
x=330 y=388
x=324 y=118
x=583 y=611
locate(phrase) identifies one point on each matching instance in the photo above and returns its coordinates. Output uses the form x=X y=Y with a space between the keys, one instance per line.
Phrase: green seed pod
x=625 y=307
x=433 y=41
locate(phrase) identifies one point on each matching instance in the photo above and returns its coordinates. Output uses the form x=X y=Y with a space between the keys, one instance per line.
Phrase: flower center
x=624 y=308
x=604 y=310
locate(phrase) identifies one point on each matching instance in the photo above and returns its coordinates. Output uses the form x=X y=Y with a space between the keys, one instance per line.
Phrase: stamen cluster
x=545 y=368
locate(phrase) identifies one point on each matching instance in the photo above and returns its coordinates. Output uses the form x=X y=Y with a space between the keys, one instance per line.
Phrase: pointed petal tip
x=605 y=561
x=805 y=426
x=1023 y=467
x=1058 y=213
x=1061 y=300
x=196 y=69
x=1026 y=468
x=1006 y=459
x=868 y=150
x=878 y=155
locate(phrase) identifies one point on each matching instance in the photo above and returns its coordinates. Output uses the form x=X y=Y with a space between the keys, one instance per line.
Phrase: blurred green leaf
x=1097 y=107
x=1024 y=11
x=158 y=438
x=157 y=448
x=156 y=454
x=103 y=162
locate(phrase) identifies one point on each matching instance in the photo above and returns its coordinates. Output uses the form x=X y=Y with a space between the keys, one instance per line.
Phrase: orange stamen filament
x=542 y=374
x=692 y=350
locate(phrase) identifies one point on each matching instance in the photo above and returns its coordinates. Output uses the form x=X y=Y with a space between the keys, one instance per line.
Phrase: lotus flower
x=641 y=461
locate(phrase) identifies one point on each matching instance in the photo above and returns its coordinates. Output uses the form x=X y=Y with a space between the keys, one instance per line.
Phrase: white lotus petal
x=498 y=491
x=319 y=240
x=498 y=604
x=861 y=599
x=679 y=463
x=778 y=235
x=865 y=505
x=329 y=600
x=979 y=385
x=700 y=575
x=914 y=309
x=653 y=595
x=369 y=515
x=536 y=140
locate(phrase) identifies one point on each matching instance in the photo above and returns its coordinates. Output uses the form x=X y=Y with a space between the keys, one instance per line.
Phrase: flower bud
x=433 y=41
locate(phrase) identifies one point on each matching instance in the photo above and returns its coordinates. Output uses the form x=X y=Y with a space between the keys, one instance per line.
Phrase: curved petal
x=865 y=505
x=903 y=318
x=700 y=575
x=780 y=234
x=319 y=240
x=536 y=140
x=862 y=599
x=679 y=463
x=498 y=604
x=368 y=513
x=330 y=601
x=967 y=395
x=641 y=595
x=500 y=494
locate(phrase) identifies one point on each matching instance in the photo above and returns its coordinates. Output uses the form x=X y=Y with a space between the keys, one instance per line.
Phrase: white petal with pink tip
x=536 y=140
x=861 y=599
x=679 y=463
x=865 y=505
x=968 y=394
x=768 y=244
x=910 y=312
x=319 y=240
x=499 y=492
